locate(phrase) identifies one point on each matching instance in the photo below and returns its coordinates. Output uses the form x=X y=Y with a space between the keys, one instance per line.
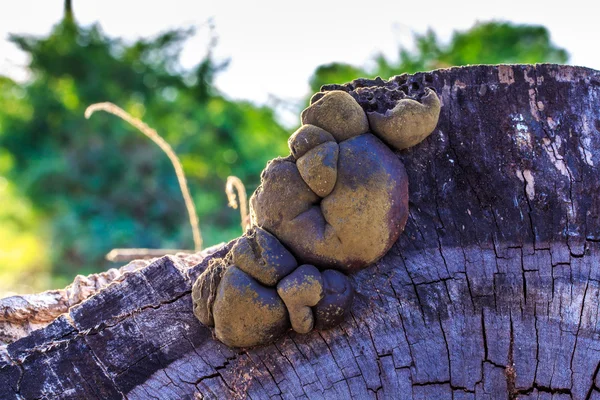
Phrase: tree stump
x=492 y=291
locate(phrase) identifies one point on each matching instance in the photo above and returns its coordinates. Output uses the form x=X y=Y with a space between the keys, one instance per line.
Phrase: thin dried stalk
x=156 y=138
x=233 y=182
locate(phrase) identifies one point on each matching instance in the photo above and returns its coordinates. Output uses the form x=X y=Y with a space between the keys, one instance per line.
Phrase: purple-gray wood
x=492 y=291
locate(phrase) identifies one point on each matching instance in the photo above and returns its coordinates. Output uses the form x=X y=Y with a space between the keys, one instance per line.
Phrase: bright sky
x=275 y=45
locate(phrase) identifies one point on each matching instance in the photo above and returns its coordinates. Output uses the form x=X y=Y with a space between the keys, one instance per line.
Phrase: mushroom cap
x=337 y=299
x=408 y=123
x=263 y=257
x=318 y=168
x=354 y=225
x=339 y=114
x=303 y=287
x=301 y=290
x=306 y=138
x=204 y=291
x=247 y=313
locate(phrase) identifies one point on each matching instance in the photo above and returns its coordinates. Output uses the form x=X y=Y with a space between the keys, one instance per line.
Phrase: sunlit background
x=223 y=82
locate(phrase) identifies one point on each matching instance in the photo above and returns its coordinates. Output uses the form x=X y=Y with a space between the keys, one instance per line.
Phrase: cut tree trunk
x=491 y=292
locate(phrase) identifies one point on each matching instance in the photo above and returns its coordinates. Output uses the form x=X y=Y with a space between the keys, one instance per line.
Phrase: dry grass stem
x=235 y=184
x=156 y=138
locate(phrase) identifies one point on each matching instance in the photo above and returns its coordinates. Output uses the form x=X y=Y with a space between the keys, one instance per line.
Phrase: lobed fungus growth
x=334 y=206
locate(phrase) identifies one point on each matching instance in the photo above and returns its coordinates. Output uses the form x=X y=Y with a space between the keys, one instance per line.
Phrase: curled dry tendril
x=167 y=149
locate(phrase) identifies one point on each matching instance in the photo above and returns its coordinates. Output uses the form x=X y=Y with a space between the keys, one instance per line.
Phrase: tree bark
x=491 y=292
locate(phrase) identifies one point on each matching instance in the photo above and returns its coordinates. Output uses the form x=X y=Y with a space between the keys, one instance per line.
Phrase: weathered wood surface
x=492 y=292
x=22 y=314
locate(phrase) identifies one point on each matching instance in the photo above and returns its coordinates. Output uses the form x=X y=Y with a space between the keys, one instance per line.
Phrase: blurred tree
x=99 y=184
x=485 y=43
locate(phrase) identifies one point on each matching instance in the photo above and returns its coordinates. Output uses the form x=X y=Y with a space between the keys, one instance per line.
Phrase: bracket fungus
x=334 y=206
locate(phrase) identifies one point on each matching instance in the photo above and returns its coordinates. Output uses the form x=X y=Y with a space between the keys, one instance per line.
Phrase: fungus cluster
x=253 y=295
x=334 y=206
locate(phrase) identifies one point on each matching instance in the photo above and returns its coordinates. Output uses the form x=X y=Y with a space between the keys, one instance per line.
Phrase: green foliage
x=485 y=43
x=98 y=184
x=23 y=264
